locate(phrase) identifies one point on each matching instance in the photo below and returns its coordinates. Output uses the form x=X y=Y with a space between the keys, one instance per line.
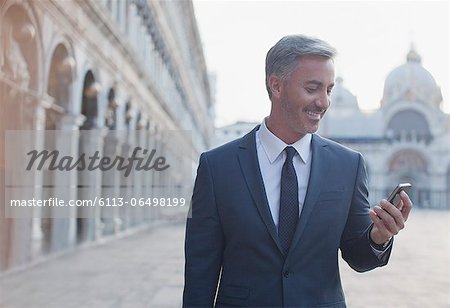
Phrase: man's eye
x=329 y=91
x=310 y=90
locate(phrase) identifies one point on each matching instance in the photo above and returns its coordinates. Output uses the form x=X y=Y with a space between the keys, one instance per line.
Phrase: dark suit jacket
x=232 y=237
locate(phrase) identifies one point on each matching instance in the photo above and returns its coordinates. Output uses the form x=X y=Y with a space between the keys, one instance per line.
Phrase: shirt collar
x=274 y=146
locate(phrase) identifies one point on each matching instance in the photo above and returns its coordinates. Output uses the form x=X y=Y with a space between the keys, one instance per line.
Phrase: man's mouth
x=314 y=115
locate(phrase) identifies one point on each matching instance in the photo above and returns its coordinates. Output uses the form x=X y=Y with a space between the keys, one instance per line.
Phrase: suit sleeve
x=355 y=244
x=203 y=243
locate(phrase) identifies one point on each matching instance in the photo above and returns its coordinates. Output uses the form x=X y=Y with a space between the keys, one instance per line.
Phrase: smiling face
x=300 y=101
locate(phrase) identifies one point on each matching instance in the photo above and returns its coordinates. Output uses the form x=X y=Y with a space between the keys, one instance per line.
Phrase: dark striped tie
x=288 y=201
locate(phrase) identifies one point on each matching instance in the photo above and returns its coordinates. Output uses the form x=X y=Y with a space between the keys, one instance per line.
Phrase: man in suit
x=271 y=210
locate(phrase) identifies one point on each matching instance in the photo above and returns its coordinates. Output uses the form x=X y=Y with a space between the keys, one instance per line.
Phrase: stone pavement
x=146 y=270
x=418 y=273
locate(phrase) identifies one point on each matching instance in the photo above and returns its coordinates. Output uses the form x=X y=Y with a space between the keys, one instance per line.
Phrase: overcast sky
x=372 y=38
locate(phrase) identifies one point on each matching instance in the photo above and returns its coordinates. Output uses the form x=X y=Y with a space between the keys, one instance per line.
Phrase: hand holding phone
x=387 y=221
x=394 y=196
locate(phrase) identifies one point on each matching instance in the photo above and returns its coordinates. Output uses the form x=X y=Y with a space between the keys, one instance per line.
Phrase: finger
x=386 y=219
x=400 y=205
x=407 y=205
x=373 y=216
x=395 y=213
x=379 y=225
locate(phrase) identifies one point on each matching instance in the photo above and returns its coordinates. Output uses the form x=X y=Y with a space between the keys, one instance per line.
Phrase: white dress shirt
x=271 y=157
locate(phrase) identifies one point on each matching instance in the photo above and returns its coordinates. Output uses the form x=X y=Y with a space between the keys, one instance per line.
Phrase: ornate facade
x=406 y=140
x=116 y=67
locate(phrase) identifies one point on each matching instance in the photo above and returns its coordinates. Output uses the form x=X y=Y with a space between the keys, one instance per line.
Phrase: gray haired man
x=271 y=210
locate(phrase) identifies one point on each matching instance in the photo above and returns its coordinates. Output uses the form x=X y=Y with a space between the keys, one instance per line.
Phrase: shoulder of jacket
x=336 y=147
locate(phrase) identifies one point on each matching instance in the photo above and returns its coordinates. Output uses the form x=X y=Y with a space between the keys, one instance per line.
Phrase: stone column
x=111 y=182
x=63 y=230
x=89 y=184
x=16 y=237
x=37 y=236
x=126 y=182
x=149 y=179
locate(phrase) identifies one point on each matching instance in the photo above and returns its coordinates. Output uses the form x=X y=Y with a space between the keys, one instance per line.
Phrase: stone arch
x=407 y=159
x=88 y=143
x=129 y=115
x=409 y=165
x=60 y=83
x=59 y=88
x=111 y=110
x=409 y=124
x=89 y=101
x=61 y=74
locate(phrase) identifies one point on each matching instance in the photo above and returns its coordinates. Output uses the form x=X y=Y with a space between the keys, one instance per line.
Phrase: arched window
x=59 y=84
x=60 y=76
x=89 y=106
x=405 y=160
x=111 y=108
x=409 y=125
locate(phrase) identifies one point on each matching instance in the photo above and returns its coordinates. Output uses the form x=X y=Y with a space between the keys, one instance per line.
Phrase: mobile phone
x=394 y=196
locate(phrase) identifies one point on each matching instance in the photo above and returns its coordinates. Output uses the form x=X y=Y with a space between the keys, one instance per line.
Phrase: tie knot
x=290 y=152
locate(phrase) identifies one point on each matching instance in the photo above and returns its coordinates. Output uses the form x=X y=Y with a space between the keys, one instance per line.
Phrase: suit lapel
x=248 y=160
x=319 y=167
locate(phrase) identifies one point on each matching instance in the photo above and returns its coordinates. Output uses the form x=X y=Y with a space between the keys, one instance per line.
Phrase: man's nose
x=324 y=100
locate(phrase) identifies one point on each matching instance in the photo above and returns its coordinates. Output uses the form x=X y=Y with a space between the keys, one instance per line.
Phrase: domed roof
x=342 y=99
x=411 y=82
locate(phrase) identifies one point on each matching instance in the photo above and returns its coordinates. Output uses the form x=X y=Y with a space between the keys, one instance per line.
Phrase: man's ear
x=275 y=85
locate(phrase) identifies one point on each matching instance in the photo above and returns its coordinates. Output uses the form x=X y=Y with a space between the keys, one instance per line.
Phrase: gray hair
x=282 y=58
